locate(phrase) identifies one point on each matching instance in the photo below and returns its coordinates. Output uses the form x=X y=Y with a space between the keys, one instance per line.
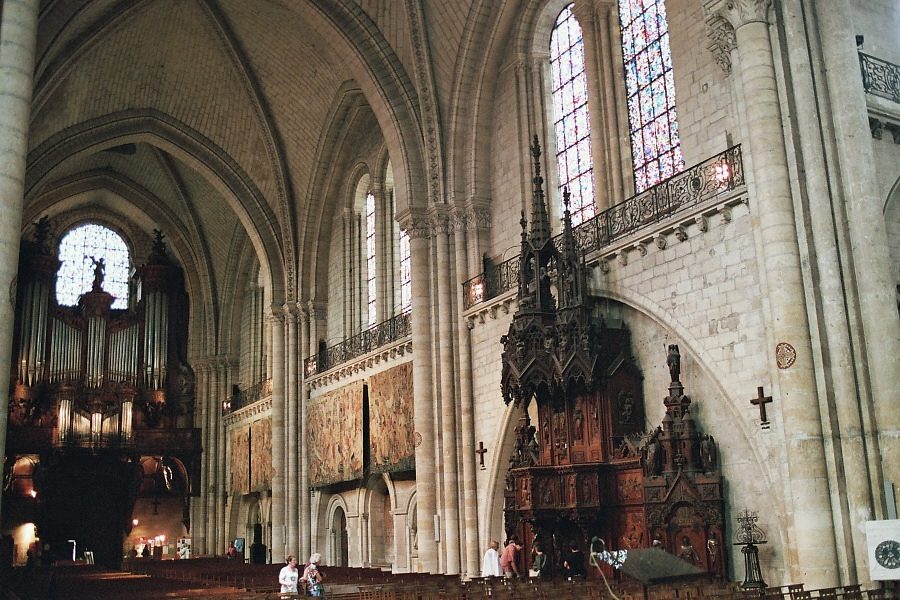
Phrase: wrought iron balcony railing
x=716 y=175
x=394 y=329
x=242 y=398
x=880 y=78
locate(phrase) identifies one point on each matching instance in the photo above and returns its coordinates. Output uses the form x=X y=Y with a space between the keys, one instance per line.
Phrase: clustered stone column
x=811 y=535
x=450 y=477
x=276 y=322
x=469 y=223
x=211 y=454
x=419 y=230
x=602 y=66
x=198 y=505
x=868 y=236
x=852 y=493
x=18 y=36
x=293 y=367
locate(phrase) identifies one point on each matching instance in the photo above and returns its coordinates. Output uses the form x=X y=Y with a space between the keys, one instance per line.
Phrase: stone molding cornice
x=348 y=369
x=246 y=413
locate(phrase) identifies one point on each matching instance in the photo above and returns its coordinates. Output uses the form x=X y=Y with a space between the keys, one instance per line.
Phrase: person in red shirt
x=509 y=560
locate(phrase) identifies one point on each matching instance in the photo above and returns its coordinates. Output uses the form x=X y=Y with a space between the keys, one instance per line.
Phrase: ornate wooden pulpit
x=585 y=469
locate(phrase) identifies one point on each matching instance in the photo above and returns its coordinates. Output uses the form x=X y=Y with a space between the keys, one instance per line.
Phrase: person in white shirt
x=490 y=565
x=288 y=576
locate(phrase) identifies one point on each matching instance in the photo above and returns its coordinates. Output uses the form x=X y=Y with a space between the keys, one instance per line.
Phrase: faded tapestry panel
x=261 y=455
x=240 y=460
x=335 y=435
x=391 y=446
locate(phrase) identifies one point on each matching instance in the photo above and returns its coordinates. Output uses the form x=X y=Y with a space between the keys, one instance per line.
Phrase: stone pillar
x=442 y=241
x=18 y=35
x=384 y=259
x=293 y=348
x=225 y=370
x=594 y=67
x=532 y=73
x=471 y=553
x=308 y=339
x=276 y=322
x=811 y=529
x=212 y=489
x=423 y=376
x=615 y=113
x=851 y=496
x=348 y=287
x=199 y=521
x=868 y=236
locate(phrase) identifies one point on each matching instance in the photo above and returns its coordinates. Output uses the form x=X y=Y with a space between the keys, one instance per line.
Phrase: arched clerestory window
x=572 y=123
x=79 y=251
x=650 y=86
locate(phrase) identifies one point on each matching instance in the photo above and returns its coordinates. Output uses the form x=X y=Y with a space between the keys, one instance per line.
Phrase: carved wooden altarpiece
x=581 y=470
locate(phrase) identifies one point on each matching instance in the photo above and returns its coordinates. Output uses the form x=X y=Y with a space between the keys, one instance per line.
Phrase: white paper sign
x=883 y=543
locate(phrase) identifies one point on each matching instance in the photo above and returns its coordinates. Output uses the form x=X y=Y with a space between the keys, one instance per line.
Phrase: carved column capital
x=440 y=222
x=739 y=12
x=478 y=218
x=721 y=40
x=418 y=228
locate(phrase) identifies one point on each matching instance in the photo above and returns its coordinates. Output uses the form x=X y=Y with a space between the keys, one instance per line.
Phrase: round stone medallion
x=785 y=355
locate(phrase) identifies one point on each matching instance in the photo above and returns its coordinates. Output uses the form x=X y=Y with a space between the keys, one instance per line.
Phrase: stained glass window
x=370 y=258
x=78 y=250
x=572 y=123
x=405 y=275
x=655 y=146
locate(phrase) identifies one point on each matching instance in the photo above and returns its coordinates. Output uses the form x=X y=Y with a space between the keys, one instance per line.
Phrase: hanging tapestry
x=334 y=435
x=240 y=460
x=261 y=455
x=391 y=446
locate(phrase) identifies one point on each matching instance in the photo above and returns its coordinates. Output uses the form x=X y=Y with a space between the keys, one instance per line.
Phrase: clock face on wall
x=887 y=553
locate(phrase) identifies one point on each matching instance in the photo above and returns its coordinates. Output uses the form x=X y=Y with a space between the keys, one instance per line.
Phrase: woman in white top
x=288 y=576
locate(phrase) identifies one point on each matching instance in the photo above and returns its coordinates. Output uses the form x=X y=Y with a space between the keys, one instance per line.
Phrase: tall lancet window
x=650 y=85
x=80 y=251
x=405 y=274
x=570 y=112
x=371 y=297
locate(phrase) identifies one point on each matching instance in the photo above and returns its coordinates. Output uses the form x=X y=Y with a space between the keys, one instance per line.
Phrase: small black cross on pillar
x=481 y=452
x=155 y=504
x=761 y=401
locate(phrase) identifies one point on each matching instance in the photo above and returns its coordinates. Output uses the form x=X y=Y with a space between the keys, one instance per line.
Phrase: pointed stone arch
x=178 y=139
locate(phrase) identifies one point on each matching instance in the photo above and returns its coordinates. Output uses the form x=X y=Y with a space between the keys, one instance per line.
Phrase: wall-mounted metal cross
x=481 y=452
x=761 y=400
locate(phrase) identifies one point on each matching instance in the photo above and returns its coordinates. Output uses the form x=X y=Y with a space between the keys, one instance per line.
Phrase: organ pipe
x=98 y=364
